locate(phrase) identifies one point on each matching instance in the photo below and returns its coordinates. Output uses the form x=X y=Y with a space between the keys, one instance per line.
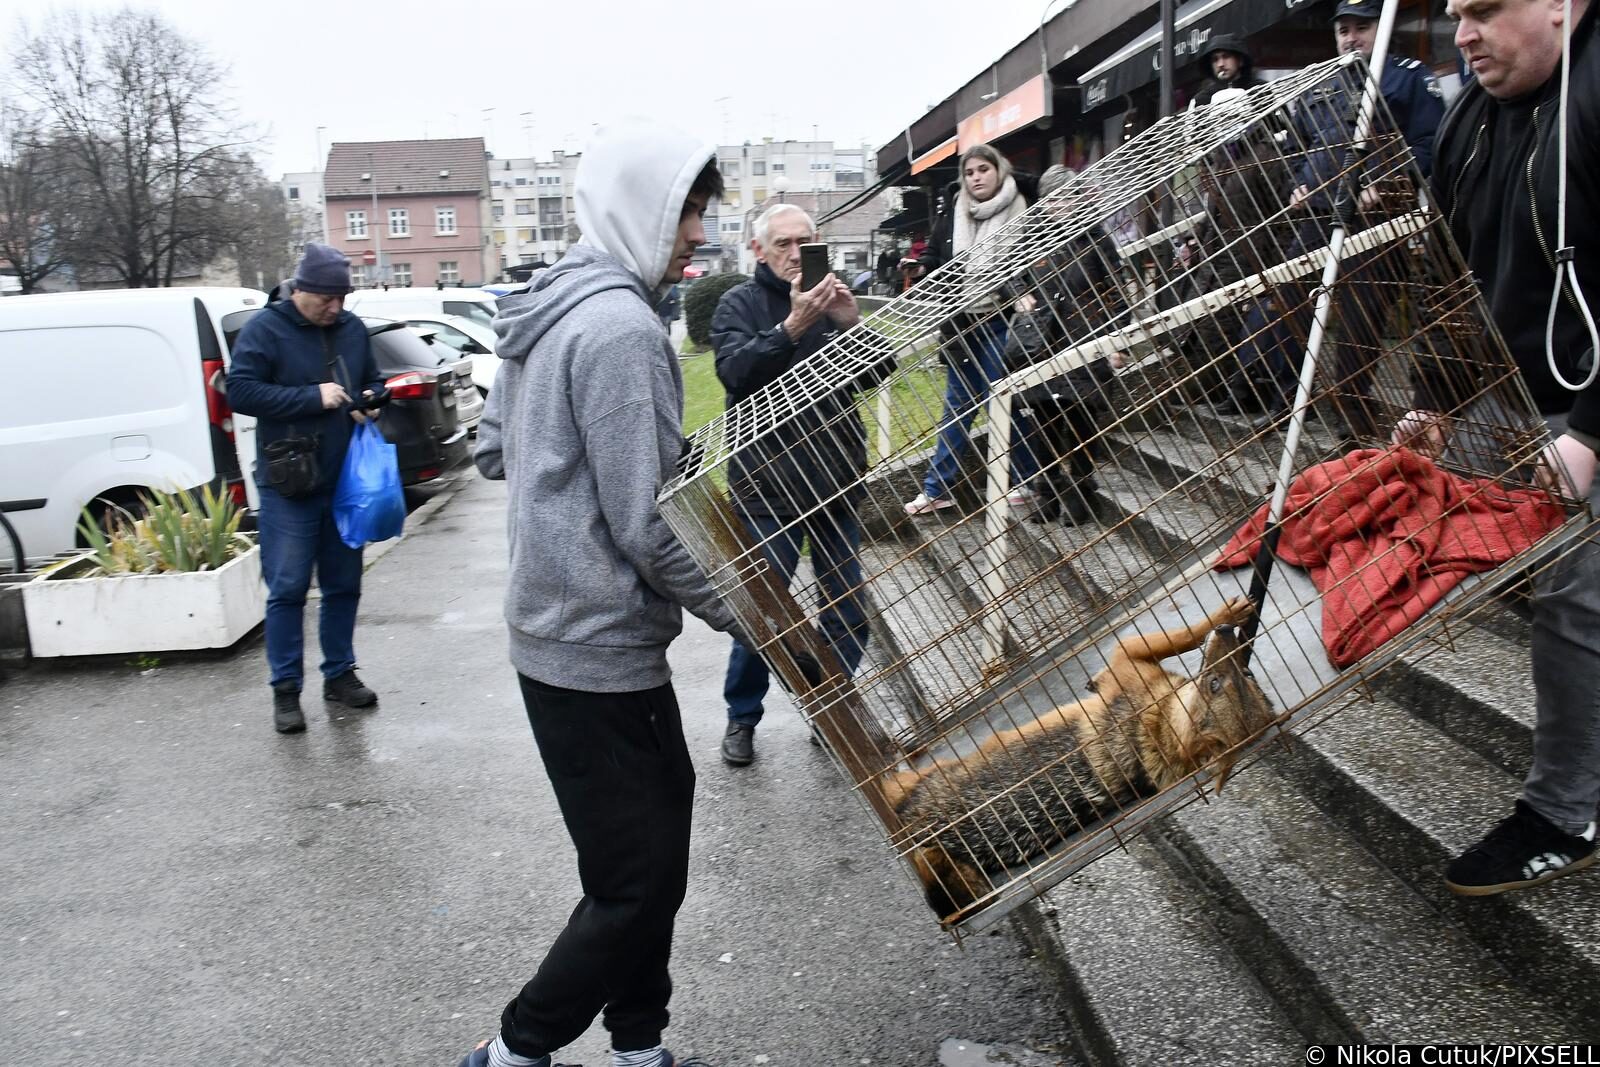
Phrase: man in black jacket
x=1228 y=66
x=797 y=483
x=1496 y=167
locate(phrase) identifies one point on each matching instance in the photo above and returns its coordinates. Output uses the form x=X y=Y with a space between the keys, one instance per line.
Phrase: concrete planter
x=70 y=616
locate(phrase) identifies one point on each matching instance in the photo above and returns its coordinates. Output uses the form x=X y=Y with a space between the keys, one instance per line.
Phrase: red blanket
x=1385 y=534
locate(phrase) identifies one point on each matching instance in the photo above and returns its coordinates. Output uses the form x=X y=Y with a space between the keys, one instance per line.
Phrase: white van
x=474 y=304
x=114 y=392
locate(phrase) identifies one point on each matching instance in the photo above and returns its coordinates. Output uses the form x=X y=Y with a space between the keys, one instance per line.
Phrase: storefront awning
x=1194 y=25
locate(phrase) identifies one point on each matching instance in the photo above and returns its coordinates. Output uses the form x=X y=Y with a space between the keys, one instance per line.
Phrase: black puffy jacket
x=1494 y=181
x=810 y=457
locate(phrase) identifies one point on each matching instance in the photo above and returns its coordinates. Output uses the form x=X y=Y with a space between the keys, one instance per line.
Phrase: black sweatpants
x=623 y=779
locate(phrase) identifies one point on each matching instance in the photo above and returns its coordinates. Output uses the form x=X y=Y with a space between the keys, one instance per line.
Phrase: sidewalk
x=184 y=887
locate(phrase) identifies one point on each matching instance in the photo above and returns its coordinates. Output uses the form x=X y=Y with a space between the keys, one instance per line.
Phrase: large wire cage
x=1085 y=632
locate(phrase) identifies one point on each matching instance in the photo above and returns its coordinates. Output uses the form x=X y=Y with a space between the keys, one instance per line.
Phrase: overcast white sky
x=386 y=69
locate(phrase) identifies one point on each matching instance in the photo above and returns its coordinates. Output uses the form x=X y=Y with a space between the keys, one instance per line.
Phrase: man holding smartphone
x=797 y=484
x=296 y=366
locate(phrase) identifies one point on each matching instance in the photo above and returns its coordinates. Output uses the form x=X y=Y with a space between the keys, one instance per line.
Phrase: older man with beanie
x=585 y=426
x=295 y=367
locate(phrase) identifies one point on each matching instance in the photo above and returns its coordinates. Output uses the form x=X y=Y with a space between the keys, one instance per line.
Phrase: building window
x=355 y=224
x=444 y=220
x=550 y=213
x=529 y=258
x=499 y=212
x=402 y=274
x=525 y=235
x=760 y=197
x=730 y=168
x=522 y=181
x=358 y=277
x=758 y=167
x=733 y=226
x=399 y=222
x=450 y=271
x=777 y=166
x=730 y=199
x=524 y=207
x=550 y=233
x=294 y=192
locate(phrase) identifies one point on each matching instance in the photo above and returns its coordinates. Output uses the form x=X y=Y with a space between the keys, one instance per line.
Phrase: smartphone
x=813 y=265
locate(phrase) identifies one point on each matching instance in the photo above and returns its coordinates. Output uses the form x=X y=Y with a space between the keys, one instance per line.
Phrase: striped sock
x=645 y=1057
x=500 y=1056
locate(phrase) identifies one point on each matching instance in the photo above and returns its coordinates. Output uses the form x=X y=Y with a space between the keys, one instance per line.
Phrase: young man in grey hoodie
x=585 y=425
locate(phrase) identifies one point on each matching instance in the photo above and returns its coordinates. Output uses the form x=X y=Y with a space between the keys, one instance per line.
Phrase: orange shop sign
x=1028 y=102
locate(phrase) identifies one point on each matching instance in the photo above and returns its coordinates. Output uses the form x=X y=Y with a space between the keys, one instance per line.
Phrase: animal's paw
x=1236 y=612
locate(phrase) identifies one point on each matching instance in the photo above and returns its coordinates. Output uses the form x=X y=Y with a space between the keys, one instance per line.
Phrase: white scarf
x=974 y=224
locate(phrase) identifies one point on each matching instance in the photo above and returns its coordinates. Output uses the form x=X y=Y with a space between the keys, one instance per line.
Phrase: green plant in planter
x=176 y=533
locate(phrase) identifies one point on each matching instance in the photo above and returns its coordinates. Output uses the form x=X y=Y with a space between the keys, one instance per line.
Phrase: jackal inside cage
x=1058 y=644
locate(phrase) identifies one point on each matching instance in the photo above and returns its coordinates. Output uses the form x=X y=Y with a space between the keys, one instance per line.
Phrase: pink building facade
x=411 y=213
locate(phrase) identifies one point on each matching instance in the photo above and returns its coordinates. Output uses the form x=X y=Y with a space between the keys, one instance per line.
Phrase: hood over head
x=632 y=181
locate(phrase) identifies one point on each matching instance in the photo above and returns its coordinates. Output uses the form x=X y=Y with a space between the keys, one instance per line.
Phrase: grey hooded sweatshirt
x=585 y=425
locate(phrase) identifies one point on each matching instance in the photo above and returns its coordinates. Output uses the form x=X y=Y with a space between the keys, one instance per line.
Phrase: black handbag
x=293 y=469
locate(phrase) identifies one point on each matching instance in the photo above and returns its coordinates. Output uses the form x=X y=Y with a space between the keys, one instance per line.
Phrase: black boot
x=286 y=715
x=348 y=690
x=738 y=745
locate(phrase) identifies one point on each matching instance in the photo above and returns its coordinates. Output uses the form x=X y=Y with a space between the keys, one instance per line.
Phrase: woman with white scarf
x=989 y=201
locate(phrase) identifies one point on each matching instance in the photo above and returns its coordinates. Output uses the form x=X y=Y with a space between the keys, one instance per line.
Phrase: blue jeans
x=966 y=385
x=297 y=535
x=835 y=537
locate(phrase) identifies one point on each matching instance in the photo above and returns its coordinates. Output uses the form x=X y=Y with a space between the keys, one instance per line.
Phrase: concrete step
x=1415 y=798
x=1147 y=979
x=1350 y=951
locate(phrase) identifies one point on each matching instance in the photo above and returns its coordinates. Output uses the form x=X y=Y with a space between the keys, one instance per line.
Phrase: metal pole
x=1344 y=205
x=1166 y=57
x=377 y=232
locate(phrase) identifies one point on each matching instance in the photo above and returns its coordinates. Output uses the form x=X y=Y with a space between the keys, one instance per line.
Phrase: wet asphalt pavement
x=181 y=886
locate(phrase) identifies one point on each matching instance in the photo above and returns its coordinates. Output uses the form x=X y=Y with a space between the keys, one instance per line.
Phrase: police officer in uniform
x=1326 y=125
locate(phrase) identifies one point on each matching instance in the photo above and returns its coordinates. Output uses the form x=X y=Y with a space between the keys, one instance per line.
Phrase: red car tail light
x=413 y=385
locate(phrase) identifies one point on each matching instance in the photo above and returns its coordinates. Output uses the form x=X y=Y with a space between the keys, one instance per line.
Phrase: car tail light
x=413 y=385
x=217 y=409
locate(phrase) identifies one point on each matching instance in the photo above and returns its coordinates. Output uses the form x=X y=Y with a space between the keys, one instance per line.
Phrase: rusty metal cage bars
x=981 y=630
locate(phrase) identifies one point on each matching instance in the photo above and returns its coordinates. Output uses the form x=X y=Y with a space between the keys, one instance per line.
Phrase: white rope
x=1566 y=265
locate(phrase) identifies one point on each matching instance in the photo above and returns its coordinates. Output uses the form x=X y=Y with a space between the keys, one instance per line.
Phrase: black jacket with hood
x=809 y=458
x=1494 y=180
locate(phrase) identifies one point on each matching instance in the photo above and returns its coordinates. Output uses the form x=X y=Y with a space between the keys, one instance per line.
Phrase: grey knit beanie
x=324 y=270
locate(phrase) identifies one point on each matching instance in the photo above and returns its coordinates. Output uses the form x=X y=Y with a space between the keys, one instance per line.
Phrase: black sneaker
x=1524 y=850
x=286 y=715
x=738 y=744
x=348 y=690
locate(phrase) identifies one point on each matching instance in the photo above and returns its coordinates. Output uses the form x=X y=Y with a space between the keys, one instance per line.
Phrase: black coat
x=808 y=458
x=1494 y=181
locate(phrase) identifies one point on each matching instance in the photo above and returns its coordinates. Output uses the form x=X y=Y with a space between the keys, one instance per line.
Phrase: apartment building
x=532 y=212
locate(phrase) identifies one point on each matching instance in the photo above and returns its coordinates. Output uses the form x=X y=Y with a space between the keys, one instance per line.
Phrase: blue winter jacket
x=279 y=363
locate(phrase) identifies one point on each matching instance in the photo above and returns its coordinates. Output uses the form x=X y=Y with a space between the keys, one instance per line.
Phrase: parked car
x=475 y=304
x=454 y=370
x=421 y=419
x=469 y=337
x=113 y=393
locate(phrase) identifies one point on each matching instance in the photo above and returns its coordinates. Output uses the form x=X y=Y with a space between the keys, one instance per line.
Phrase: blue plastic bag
x=368 y=504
